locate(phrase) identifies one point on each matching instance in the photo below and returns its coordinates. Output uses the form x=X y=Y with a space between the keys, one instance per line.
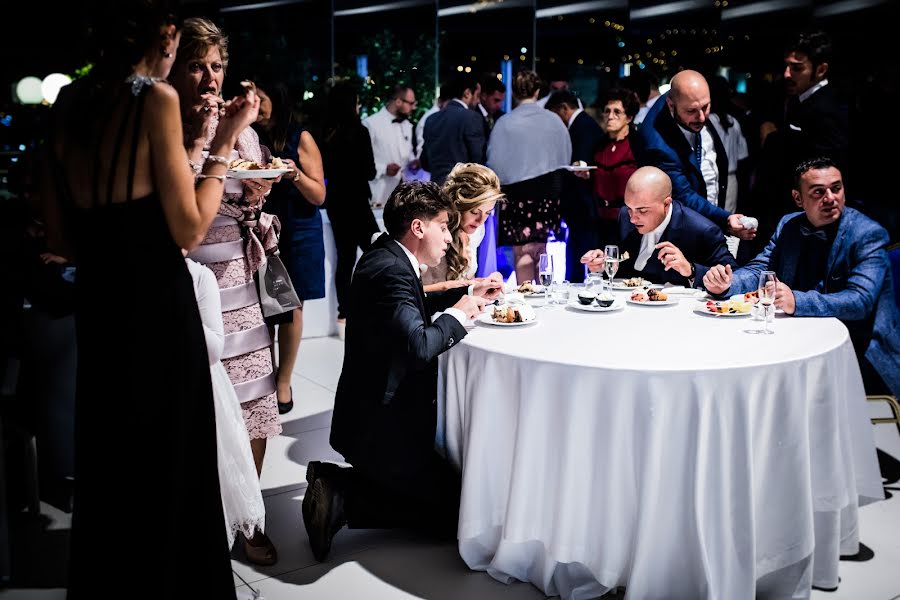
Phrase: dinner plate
x=669 y=302
x=576 y=169
x=487 y=319
x=256 y=173
x=594 y=307
x=702 y=310
x=619 y=284
x=684 y=292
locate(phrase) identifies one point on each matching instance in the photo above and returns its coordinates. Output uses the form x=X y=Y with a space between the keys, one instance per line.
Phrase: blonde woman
x=475 y=190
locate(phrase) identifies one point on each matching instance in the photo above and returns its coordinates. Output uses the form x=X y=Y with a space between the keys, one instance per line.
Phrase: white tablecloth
x=660 y=450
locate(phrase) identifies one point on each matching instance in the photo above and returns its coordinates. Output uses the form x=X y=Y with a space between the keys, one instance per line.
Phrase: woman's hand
x=255 y=190
x=236 y=115
x=295 y=170
x=200 y=117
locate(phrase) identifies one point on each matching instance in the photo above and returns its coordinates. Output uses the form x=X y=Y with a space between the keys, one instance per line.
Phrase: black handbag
x=276 y=291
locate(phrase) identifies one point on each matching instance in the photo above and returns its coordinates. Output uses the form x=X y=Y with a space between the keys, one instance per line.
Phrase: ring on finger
x=259 y=186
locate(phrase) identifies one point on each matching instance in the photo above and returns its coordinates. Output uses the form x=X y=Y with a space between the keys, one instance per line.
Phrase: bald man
x=666 y=242
x=675 y=137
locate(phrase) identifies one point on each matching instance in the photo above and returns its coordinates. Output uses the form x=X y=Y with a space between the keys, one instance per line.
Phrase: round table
x=658 y=449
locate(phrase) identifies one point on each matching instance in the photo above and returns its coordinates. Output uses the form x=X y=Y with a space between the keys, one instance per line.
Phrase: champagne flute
x=611 y=263
x=545 y=274
x=767 y=283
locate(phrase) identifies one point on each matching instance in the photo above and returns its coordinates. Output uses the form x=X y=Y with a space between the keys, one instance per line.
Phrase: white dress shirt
x=391 y=143
x=708 y=166
x=418 y=268
x=813 y=90
x=642 y=112
x=573 y=117
x=650 y=240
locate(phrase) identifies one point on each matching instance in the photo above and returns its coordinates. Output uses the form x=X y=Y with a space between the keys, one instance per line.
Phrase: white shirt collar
x=665 y=223
x=813 y=89
x=417 y=267
x=484 y=112
x=649 y=241
x=573 y=117
x=464 y=105
x=690 y=136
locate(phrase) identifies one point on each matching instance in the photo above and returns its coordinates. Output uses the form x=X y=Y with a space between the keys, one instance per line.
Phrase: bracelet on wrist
x=215 y=158
x=194 y=166
x=202 y=176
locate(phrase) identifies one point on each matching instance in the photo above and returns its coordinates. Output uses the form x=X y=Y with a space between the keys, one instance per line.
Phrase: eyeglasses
x=413 y=103
x=613 y=111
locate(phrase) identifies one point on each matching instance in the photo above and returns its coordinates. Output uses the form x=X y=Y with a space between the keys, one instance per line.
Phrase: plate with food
x=508 y=315
x=529 y=289
x=651 y=297
x=249 y=169
x=590 y=302
x=753 y=299
x=633 y=283
x=725 y=308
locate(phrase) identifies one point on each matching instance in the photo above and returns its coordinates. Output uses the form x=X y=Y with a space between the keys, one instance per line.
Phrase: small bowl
x=586 y=298
x=605 y=302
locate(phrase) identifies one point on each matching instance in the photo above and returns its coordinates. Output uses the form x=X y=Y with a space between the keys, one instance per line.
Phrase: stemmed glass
x=767 y=283
x=545 y=273
x=611 y=263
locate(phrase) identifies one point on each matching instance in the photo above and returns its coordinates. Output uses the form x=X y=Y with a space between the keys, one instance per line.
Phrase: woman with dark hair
x=615 y=161
x=295 y=200
x=349 y=166
x=120 y=201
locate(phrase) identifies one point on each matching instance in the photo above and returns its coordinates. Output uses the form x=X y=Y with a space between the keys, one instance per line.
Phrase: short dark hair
x=560 y=98
x=457 y=84
x=813 y=164
x=816 y=45
x=629 y=100
x=490 y=84
x=399 y=91
x=414 y=200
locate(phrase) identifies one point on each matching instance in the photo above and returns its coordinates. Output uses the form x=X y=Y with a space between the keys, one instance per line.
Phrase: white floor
x=387 y=565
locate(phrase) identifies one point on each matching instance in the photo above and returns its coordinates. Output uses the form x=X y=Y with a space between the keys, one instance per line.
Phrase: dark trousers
x=353 y=227
x=581 y=239
x=425 y=500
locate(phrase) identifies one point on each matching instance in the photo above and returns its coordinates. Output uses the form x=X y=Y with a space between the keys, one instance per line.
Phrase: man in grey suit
x=456 y=133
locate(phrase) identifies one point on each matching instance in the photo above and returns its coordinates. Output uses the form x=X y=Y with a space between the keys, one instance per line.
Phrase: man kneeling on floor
x=385 y=406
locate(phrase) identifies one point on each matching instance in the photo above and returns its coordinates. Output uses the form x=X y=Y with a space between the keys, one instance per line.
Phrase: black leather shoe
x=323 y=515
x=285 y=407
x=317 y=468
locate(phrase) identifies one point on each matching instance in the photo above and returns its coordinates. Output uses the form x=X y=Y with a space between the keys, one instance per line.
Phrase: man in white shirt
x=392 y=142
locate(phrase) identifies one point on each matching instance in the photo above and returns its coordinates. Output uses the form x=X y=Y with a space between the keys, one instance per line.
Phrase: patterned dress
x=233 y=249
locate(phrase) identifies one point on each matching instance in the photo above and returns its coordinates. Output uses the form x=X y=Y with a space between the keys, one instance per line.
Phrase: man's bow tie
x=399 y=119
x=806 y=231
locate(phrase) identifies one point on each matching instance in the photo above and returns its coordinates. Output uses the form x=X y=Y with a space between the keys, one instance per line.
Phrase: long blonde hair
x=469 y=185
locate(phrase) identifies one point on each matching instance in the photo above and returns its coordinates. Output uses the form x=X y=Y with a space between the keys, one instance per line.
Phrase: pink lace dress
x=234 y=249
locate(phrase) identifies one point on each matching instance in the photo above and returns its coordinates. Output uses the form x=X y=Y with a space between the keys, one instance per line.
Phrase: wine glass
x=767 y=283
x=545 y=274
x=611 y=263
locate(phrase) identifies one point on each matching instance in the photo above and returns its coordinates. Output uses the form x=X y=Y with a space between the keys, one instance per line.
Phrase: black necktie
x=819 y=233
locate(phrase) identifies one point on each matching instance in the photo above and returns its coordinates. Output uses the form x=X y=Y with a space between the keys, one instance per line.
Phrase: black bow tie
x=399 y=119
x=819 y=233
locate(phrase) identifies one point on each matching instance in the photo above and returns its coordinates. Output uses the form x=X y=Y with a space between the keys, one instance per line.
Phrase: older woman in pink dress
x=234 y=247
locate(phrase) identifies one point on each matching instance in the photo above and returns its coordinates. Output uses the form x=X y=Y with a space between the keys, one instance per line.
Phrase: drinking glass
x=767 y=283
x=611 y=263
x=545 y=273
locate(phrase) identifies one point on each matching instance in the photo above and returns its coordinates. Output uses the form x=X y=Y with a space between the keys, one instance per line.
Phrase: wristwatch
x=692 y=276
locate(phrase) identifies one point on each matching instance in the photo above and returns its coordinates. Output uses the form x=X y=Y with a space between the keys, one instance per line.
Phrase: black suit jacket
x=819 y=126
x=578 y=207
x=452 y=135
x=699 y=239
x=384 y=409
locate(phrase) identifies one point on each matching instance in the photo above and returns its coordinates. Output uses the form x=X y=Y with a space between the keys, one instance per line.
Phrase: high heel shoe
x=285 y=407
x=263 y=553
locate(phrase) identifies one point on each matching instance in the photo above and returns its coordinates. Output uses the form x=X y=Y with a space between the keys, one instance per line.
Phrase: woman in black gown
x=121 y=201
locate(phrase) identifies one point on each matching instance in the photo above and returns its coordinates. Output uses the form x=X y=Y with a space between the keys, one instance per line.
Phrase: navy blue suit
x=698 y=238
x=452 y=135
x=577 y=200
x=662 y=144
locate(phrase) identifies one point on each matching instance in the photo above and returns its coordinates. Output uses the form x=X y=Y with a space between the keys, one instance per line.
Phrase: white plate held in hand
x=256 y=173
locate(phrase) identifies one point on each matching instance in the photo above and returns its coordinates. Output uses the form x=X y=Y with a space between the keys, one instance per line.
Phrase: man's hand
x=48 y=258
x=735 y=227
x=392 y=169
x=784 y=298
x=472 y=306
x=414 y=165
x=673 y=258
x=487 y=288
x=594 y=260
x=718 y=279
